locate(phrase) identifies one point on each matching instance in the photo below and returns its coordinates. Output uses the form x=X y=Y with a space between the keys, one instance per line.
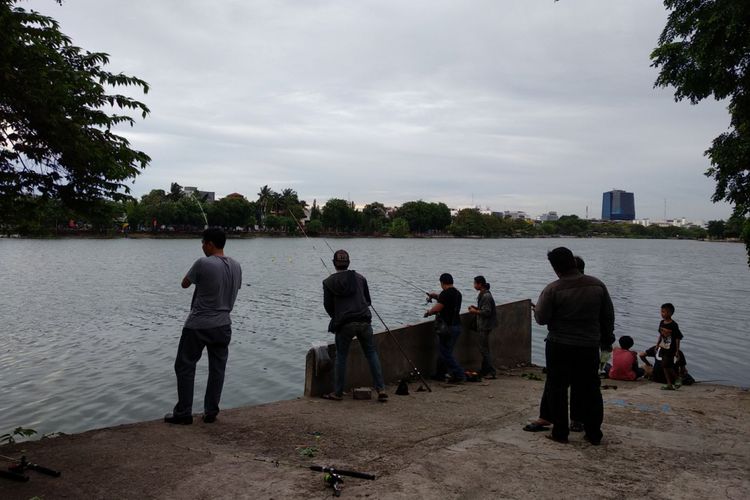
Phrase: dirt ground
x=459 y=441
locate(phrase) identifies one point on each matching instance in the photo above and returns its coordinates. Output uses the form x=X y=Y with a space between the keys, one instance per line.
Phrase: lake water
x=90 y=327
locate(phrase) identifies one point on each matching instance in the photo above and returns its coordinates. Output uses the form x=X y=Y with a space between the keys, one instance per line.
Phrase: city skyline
x=517 y=105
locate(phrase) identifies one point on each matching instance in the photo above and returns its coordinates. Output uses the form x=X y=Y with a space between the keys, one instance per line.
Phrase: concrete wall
x=510 y=344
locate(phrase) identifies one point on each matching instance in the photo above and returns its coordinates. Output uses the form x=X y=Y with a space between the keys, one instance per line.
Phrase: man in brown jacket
x=580 y=319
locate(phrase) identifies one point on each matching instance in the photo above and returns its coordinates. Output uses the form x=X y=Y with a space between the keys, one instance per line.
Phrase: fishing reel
x=335 y=481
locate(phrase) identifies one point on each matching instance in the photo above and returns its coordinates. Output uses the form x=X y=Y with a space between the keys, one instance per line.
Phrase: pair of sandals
x=382 y=397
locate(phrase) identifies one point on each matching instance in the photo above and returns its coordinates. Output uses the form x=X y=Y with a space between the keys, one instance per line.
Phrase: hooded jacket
x=346 y=299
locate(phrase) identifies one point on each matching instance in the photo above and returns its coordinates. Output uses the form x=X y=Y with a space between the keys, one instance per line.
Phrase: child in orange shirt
x=625 y=362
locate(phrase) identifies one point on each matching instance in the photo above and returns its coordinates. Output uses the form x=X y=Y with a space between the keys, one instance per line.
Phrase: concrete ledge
x=510 y=344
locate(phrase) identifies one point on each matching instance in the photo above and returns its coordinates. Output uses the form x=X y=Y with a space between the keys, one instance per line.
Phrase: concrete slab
x=457 y=442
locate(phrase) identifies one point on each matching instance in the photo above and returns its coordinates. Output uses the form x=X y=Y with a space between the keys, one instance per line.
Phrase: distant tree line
x=283 y=212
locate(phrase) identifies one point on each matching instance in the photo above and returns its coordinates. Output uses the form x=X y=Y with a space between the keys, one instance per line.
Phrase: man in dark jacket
x=346 y=299
x=580 y=318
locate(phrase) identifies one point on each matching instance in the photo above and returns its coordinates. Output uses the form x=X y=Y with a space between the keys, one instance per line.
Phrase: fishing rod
x=429 y=295
x=332 y=476
x=299 y=225
x=398 y=344
x=16 y=472
x=415 y=370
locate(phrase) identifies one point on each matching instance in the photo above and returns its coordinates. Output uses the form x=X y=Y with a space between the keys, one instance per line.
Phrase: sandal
x=332 y=396
x=668 y=388
x=382 y=397
x=536 y=427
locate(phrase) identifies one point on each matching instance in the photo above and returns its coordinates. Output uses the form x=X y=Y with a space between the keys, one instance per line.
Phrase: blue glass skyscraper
x=618 y=205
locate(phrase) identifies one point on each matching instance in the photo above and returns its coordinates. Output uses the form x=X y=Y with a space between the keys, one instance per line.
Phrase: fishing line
x=388 y=330
x=299 y=225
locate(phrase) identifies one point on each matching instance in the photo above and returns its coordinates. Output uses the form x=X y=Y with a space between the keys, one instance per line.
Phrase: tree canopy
x=58 y=109
x=704 y=51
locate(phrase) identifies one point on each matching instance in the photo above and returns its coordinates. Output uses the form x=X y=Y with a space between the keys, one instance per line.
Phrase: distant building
x=209 y=196
x=551 y=215
x=618 y=205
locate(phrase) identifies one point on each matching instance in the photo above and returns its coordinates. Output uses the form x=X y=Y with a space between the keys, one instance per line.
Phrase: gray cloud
x=517 y=105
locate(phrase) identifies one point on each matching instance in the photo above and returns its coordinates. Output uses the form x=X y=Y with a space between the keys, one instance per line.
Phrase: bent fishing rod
x=414 y=368
x=429 y=296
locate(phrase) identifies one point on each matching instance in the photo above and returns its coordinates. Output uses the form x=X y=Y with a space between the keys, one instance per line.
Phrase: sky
x=529 y=105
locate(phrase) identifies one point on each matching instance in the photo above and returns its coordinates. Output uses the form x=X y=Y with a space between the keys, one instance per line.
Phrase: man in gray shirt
x=217 y=280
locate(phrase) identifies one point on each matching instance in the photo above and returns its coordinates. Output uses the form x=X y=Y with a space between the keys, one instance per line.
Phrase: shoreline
x=262 y=234
x=459 y=441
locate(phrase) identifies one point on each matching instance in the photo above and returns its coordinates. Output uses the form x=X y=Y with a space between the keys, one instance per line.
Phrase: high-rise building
x=618 y=205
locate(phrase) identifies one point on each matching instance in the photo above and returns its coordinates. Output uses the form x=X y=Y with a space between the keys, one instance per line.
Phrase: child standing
x=668 y=346
x=625 y=362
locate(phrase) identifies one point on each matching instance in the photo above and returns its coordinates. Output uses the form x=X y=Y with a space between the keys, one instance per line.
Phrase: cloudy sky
x=530 y=105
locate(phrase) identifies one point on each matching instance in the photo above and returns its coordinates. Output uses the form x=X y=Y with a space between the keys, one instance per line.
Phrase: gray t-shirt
x=217 y=281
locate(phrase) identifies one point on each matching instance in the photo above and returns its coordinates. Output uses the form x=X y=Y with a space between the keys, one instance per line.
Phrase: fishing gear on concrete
x=332 y=476
x=16 y=472
x=414 y=368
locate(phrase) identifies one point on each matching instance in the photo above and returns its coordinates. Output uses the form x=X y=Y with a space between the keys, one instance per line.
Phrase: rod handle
x=350 y=473
x=44 y=470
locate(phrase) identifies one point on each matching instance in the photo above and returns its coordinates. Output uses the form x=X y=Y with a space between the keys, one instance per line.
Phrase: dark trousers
x=578 y=368
x=216 y=341
x=446 y=362
x=545 y=412
x=484 y=349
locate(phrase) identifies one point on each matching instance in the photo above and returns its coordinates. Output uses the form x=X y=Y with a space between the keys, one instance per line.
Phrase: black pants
x=216 y=341
x=545 y=411
x=578 y=368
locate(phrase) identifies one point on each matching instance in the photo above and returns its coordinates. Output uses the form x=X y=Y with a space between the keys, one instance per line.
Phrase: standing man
x=448 y=329
x=217 y=280
x=346 y=299
x=580 y=319
x=486 y=314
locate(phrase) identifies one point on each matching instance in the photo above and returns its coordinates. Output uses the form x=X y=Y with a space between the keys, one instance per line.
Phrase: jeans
x=484 y=349
x=216 y=341
x=344 y=337
x=576 y=367
x=446 y=362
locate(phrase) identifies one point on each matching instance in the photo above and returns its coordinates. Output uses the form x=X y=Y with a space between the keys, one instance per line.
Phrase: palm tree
x=264 y=196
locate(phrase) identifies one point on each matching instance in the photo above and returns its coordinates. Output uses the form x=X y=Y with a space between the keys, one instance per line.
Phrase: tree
x=56 y=118
x=399 y=228
x=374 y=217
x=339 y=215
x=703 y=52
x=716 y=229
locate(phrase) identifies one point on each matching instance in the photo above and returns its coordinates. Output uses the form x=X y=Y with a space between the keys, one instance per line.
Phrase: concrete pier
x=510 y=344
x=457 y=442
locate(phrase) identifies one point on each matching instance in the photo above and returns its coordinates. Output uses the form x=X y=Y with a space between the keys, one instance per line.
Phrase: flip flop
x=332 y=396
x=535 y=427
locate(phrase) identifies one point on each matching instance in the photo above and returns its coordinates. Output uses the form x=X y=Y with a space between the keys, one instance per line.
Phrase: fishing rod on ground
x=331 y=475
x=414 y=368
x=16 y=472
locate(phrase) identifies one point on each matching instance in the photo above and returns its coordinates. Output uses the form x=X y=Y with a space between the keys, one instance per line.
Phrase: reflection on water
x=91 y=327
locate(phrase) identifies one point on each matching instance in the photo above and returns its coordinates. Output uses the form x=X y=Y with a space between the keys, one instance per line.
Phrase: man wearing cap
x=580 y=319
x=346 y=299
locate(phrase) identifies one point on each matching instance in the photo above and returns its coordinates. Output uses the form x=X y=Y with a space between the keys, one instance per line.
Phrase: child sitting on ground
x=625 y=362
